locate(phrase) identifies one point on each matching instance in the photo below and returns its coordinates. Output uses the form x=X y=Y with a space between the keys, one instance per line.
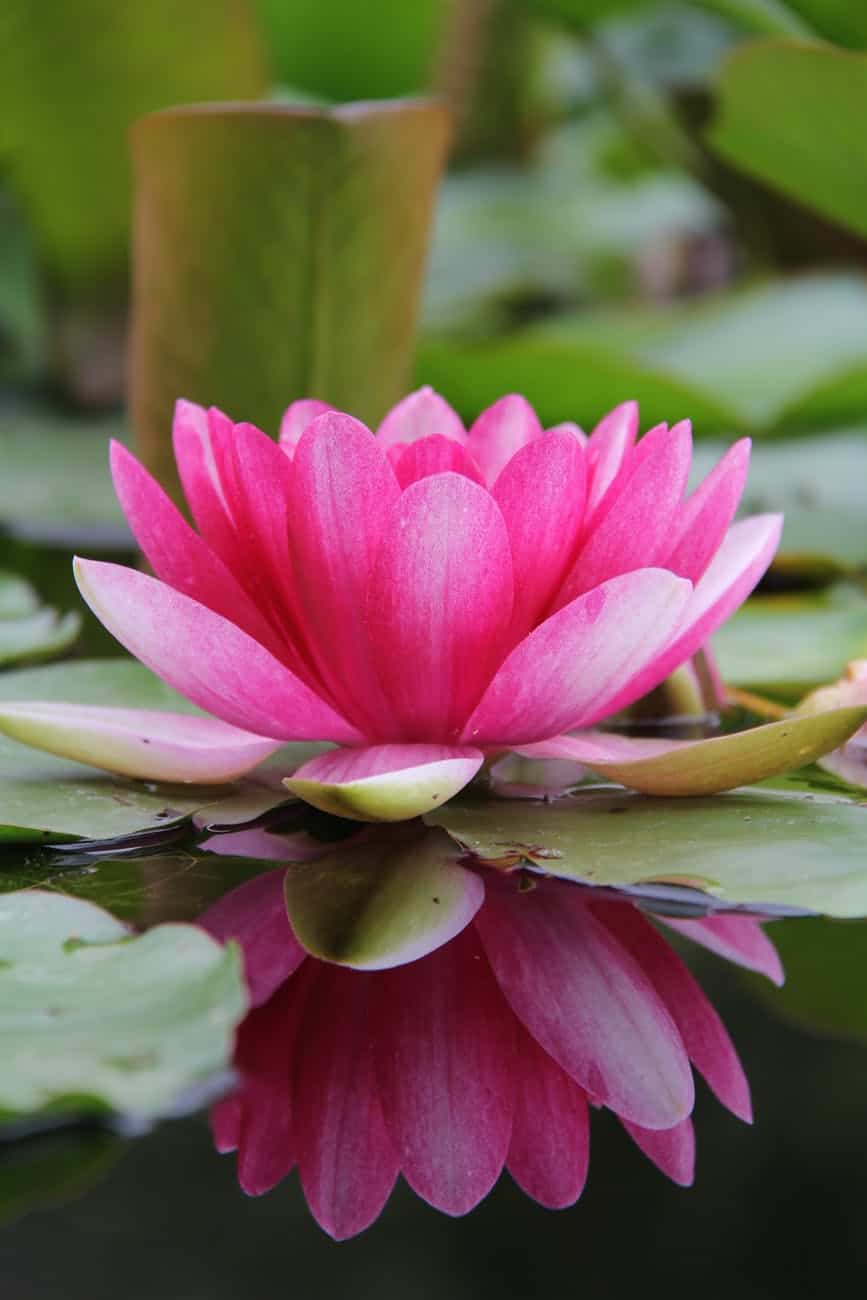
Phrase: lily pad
x=382 y=900
x=753 y=846
x=825 y=963
x=28 y=630
x=93 y=1019
x=45 y=799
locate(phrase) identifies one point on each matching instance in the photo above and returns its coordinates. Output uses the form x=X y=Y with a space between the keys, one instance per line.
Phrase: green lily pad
x=791 y=114
x=94 y=1019
x=382 y=900
x=45 y=799
x=789 y=644
x=753 y=846
x=28 y=631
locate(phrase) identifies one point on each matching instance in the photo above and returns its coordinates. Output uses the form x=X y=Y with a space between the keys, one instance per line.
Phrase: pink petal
x=734 y=571
x=587 y=1002
x=225 y=1120
x=177 y=555
x=575 y=661
x=192 y=433
x=569 y=426
x=385 y=782
x=435 y=454
x=420 y=415
x=705 y=518
x=541 y=494
x=346 y=1159
x=550 y=1147
x=142 y=743
x=444 y=1048
x=343 y=494
x=671 y=1149
x=266 y=1045
x=608 y=448
x=254 y=915
x=704 y=1035
x=634 y=530
x=205 y=657
x=739 y=939
x=439 y=604
x=500 y=431
x=297 y=418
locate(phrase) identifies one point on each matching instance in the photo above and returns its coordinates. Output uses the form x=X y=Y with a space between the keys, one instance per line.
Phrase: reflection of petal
x=550 y=1145
x=671 y=1149
x=737 y=938
x=254 y=915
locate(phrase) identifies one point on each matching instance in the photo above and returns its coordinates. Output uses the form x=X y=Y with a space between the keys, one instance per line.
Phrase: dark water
x=777 y=1211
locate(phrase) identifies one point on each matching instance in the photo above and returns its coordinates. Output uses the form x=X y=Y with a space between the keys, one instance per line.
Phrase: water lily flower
x=485 y=1053
x=421 y=599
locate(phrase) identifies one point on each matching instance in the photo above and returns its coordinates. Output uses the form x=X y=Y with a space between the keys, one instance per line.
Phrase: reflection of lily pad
x=43 y=798
x=93 y=1019
x=825 y=964
x=50 y=1168
x=752 y=846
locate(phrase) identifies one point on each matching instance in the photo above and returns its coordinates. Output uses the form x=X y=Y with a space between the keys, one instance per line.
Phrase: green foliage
x=825 y=989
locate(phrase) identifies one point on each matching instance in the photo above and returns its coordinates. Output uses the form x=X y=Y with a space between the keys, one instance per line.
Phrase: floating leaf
x=792 y=115
x=383 y=900
x=28 y=631
x=44 y=799
x=92 y=1018
x=756 y=846
x=323 y=302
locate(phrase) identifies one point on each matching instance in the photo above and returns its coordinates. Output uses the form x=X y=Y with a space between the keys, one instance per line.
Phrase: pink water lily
x=422 y=599
x=485 y=1053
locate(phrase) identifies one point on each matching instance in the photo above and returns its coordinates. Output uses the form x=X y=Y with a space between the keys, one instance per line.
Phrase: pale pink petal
x=254 y=915
x=550 y=1146
x=635 y=528
x=192 y=431
x=439 y=604
x=672 y=1150
x=739 y=939
x=142 y=743
x=177 y=554
x=444 y=1044
x=587 y=1002
x=420 y=415
x=569 y=426
x=385 y=783
x=608 y=448
x=208 y=659
x=517 y=777
x=575 y=661
x=541 y=494
x=704 y=1035
x=297 y=417
x=732 y=574
x=435 y=454
x=500 y=431
x=346 y=1158
x=343 y=492
x=707 y=514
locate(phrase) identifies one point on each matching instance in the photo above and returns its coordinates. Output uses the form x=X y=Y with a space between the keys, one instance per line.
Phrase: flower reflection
x=483 y=1054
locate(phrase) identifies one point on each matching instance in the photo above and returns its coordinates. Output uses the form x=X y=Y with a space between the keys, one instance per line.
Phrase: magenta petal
x=704 y=1035
x=197 y=465
x=550 y=1147
x=422 y=414
x=445 y=1055
x=672 y=1150
x=141 y=743
x=635 y=528
x=439 y=603
x=254 y=915
x=297 y=418
x=500 y=431
x=541 y=494
x=573 y=663
x=343 y=493
x=266 y=1045
x=731 y=575
x=435 y=454
x=208 y=659
x=346 y=1159
x=177 y=555
x=705 y=518
x=225 y=1121
x=608 y=448
x=384 y=783
x=740 y=939
x=587 y=1002
x=569 y=426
